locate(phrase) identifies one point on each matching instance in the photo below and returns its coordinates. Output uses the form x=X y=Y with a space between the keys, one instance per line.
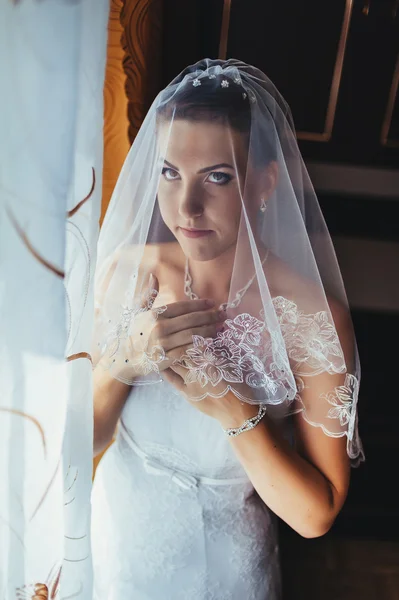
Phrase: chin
x=200 y=252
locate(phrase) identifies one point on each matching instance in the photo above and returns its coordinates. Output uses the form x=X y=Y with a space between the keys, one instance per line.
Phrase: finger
x=175 y=354
x=172 y=355
x=185 y=337
x=150 y=292
x=180 y=371
x=176 y=309
x=174 y=379
x=190 y=321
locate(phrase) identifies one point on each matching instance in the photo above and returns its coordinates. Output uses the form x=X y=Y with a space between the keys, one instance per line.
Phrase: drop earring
x=263 y=206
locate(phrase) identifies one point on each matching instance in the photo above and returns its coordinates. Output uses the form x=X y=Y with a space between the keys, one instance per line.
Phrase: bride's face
x=199 y=193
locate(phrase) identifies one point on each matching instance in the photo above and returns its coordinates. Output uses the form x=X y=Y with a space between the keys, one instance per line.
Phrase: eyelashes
x=219 y=177
x=167 y=172
x=215 y=177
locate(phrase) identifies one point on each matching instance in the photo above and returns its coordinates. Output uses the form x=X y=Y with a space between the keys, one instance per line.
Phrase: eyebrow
x=206 y=169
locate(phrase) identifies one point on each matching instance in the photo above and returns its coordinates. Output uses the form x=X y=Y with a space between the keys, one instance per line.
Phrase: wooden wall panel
x=116 y=124
x=142 y=42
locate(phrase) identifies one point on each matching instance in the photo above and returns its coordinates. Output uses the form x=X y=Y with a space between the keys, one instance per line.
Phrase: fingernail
x=151 y=280
x=222 y=315
x=219 y=327
x=210 y=302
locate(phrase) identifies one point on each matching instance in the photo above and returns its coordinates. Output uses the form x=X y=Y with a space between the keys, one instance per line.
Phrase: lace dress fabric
x=174 y=515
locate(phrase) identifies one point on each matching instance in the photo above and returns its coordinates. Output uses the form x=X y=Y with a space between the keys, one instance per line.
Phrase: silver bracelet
x=248 y=424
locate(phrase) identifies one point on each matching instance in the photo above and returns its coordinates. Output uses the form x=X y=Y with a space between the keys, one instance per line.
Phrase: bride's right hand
x=161 y=335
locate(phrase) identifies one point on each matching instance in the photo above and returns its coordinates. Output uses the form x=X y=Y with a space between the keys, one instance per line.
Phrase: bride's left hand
x=219 y=403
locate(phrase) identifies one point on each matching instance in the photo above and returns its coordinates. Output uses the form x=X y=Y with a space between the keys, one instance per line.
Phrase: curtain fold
x=52 y=61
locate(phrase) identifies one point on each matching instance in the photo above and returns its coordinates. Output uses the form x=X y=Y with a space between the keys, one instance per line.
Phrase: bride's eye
x=219 y=178
x=170 y=174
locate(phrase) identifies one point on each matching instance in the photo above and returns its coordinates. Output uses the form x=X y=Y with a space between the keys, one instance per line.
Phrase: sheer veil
x=287 y=341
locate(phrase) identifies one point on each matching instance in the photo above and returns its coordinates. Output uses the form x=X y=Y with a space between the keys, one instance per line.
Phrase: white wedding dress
x=175 y=517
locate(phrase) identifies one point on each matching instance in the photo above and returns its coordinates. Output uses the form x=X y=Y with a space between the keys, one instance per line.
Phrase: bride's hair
x=210 y=102
x=218 y=99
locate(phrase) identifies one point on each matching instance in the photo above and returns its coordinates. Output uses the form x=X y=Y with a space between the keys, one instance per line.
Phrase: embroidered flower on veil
x=148 y=360
x=246 y=330
x=311 y=339
x=231 y=356
x=121 y=332
x=210 y=361
x=343 y=399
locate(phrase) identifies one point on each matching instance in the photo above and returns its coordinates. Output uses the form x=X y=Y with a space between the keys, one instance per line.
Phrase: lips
x=195 y=233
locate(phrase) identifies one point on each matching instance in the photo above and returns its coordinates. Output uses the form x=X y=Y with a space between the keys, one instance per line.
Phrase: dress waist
x=183 y=479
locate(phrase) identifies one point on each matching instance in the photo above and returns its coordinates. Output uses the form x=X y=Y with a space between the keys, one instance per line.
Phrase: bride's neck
x=211 y=278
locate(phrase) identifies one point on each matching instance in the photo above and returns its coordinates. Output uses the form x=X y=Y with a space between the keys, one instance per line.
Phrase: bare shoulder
x=284 y=281
x=308 y=295
x=151 y=256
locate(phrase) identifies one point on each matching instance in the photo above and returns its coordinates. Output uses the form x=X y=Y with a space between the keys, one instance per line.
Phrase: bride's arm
x=109 y=398
x=306 y=486
x=306 y=489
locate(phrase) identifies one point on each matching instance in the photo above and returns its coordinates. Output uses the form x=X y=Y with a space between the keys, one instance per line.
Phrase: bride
x=224 y=350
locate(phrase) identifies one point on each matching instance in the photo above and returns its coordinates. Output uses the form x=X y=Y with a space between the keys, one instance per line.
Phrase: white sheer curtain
x=52 y=62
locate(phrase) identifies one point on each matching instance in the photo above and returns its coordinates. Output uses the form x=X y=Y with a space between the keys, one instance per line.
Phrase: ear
x=269 y=182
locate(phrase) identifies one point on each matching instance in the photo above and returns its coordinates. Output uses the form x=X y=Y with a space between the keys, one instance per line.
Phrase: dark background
x=354 y=167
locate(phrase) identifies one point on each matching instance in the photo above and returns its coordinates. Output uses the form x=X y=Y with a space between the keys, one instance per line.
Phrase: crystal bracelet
x=248 y=424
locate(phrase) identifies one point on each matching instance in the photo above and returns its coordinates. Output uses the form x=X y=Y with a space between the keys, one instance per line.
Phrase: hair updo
x=202 y=95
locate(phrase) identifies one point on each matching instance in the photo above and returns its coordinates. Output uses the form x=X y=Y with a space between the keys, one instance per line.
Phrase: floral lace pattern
x=155 y=537
x=147 y=360
x=122 y=345
x=342 y=399
x=247 y=531
x=245 y=357
x=242 y=352
x=340 y=407
x=200 y=587
x=231 y=357
x=344 y=408
x=202 y=543
x=311 y=339
x=122 y=330
x=153 y=541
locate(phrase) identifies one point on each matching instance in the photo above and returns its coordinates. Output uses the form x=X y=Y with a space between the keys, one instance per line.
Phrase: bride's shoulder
x=306 y=295
x=165 y=256
x=154 y=257
x=166 y=252
x=283 y=281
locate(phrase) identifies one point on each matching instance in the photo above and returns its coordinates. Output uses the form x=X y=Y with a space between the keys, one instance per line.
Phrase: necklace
x=188 y=282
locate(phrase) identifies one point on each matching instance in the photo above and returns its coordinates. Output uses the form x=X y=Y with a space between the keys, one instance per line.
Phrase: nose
x=190 y=202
